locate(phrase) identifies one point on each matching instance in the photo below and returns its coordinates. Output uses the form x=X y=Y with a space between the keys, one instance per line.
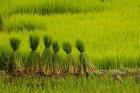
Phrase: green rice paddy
x=110 y=30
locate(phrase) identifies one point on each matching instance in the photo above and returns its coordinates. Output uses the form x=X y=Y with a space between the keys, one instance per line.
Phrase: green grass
x=67 y=85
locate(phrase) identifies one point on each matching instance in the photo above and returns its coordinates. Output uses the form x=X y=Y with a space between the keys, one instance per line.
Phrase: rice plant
x=15 y=65
x=47 y=55
x=57 y=61
x=81 y=48
x=33 y=64
x=70 y=65
x=85 y=66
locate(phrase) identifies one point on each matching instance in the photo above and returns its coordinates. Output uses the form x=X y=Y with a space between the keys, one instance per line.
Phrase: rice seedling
x=80 y=46
x=57 y=61
x=85 y=66
x=47 y=55
x=70 y=65
x=33 y=64
x=15 y=65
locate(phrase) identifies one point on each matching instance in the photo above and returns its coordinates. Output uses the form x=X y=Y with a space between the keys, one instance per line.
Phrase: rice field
x=107 y=35
x=68 y=37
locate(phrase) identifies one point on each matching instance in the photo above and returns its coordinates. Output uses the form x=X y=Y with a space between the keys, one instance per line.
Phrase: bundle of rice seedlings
x=15 y=65
x=34 y=57
x=70 y=64
x=85 y=66
x=47 y=56
x=57 y=62
x=81 y=48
